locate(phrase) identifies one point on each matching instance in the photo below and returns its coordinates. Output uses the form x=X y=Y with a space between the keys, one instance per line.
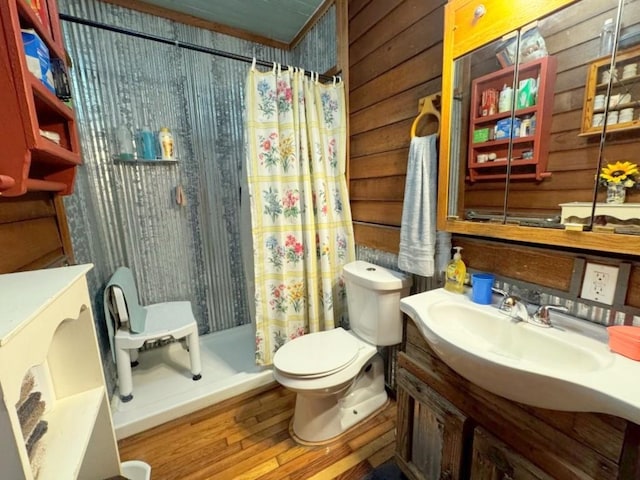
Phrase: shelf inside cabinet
x=47 y=101
x=503 y=163
x=29 y=19
x=71 y=423
x=503 y=141
x=622 y=82
x=499 y=116
x=616 y=127
x=515 y=176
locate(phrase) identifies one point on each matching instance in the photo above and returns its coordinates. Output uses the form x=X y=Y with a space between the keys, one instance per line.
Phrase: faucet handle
x=542 y=317
x=500 y=291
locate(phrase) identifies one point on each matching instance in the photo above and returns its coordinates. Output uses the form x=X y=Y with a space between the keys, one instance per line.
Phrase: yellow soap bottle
x=456 y=273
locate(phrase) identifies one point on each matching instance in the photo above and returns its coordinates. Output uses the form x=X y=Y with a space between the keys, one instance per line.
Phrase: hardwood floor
x=247 y=437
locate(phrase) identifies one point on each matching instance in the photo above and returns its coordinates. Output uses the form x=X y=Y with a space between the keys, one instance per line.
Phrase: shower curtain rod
x=178 y=43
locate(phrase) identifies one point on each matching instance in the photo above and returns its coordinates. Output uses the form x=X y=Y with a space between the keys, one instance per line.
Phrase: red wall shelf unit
x=32 y=161
x=529 y=152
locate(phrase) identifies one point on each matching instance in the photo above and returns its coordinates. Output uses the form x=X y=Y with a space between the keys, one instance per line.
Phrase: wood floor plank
x=356 y=473
x=356 y=457
x=241 y=456
x=247 y=432
x=261 y=456
x=248 y=438
x=383 y=455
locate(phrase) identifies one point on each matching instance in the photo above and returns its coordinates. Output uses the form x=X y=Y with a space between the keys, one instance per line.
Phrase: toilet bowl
x=338 y=375
x=333 y=396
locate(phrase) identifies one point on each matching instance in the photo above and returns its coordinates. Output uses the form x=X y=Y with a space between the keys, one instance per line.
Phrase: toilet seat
x=318 y=354
x=323 y=382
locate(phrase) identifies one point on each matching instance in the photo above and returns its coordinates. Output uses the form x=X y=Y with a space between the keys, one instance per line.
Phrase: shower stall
x=127 y=214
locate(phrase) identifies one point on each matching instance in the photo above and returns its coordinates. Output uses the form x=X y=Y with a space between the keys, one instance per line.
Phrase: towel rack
x=427 y=106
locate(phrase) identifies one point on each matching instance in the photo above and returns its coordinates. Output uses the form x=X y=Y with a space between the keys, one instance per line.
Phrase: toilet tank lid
x=375 y=277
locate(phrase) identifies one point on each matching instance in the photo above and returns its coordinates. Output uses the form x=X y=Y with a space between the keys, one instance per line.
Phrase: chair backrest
x=123 y=281
x=118 y=307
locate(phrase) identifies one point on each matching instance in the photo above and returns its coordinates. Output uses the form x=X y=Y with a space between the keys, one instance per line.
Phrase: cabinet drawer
x=473 y=28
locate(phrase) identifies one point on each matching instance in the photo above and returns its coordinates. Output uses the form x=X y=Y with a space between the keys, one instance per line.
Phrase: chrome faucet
x=542 y=318
x=517 y=309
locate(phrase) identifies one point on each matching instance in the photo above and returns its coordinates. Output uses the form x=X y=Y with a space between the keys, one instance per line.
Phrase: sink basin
x=568 y=367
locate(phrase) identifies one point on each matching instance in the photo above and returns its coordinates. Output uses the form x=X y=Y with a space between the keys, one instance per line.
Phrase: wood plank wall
x=395 y=58
x=572 y=36
x=560 y=270
x=33 y=233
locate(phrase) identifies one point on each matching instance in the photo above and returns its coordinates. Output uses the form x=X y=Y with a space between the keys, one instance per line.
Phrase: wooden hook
x=427 y=106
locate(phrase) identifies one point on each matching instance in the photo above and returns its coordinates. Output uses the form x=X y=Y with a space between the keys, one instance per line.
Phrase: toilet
x=338 y=374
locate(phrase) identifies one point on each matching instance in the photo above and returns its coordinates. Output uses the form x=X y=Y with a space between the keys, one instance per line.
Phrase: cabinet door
x=431 y=433
x=493 y=460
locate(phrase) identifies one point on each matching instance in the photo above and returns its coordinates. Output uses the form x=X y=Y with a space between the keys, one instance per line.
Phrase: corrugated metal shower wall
x=125 y=214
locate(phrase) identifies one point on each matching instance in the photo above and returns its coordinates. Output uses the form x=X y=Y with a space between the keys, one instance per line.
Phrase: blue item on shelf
x=503 y=128
x=147 y=144
x=38 y=59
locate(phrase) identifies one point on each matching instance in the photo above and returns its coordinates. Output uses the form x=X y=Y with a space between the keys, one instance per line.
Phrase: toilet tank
x=373 y=300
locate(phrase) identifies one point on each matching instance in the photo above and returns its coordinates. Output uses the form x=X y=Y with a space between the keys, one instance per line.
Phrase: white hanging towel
x=418 y=227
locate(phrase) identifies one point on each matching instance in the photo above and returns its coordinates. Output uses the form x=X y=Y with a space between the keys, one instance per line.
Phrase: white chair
x=130 y=325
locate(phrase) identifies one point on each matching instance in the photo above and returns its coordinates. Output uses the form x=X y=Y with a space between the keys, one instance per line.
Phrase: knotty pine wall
x=33 y=233
x=395 y=58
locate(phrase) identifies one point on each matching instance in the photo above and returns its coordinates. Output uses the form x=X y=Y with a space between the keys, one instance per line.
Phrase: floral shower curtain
x=300 y=217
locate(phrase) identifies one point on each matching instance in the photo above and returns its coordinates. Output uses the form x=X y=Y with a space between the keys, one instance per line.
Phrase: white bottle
x=166 y=144
x=505 y=99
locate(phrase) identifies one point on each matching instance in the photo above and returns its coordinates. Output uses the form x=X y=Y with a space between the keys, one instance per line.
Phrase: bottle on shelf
x=125 y=143
x=166 y=144
x=606 y=37
x=147 y=144
x=505 y=99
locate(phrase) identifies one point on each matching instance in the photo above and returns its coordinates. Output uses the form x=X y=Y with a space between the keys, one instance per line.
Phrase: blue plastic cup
x=481 y=284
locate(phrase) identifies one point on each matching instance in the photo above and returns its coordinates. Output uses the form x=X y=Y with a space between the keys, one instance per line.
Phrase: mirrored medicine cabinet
x=531 y=114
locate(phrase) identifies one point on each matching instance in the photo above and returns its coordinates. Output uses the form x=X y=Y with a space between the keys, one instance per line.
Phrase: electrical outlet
x=599 y=283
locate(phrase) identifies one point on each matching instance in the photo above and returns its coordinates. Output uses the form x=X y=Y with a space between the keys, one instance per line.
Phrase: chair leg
x=194 y=355
x=133 y=352
x=123 y=366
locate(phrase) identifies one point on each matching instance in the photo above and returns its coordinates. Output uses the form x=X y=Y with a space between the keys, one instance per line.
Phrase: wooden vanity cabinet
x=475 y=434
x=426 y=418
x=492 y=460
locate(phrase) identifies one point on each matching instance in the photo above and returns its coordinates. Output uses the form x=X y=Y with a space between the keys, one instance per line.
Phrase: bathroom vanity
x=449 y=428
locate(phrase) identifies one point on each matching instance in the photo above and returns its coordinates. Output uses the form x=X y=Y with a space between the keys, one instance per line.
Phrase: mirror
x=547 y=159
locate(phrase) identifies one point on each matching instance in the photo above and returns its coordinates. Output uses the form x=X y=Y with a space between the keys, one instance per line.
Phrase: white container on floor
x=136 y=470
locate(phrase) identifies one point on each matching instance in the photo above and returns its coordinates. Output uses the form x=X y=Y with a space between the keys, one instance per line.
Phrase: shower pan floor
x=163 y=389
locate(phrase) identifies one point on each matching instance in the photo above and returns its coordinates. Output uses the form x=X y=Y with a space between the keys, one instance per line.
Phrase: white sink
x=568 y=367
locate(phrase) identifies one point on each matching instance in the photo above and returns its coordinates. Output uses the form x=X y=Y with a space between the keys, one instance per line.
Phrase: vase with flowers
x=617 y=177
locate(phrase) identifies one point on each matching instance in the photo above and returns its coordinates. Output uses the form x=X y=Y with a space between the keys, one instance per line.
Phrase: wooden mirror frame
x=499 y=18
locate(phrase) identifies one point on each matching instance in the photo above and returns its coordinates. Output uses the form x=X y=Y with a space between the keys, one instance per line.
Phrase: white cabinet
x=47 y=327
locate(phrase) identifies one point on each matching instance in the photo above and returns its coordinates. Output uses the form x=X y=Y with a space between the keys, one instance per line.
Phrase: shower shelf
x=137 y=161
